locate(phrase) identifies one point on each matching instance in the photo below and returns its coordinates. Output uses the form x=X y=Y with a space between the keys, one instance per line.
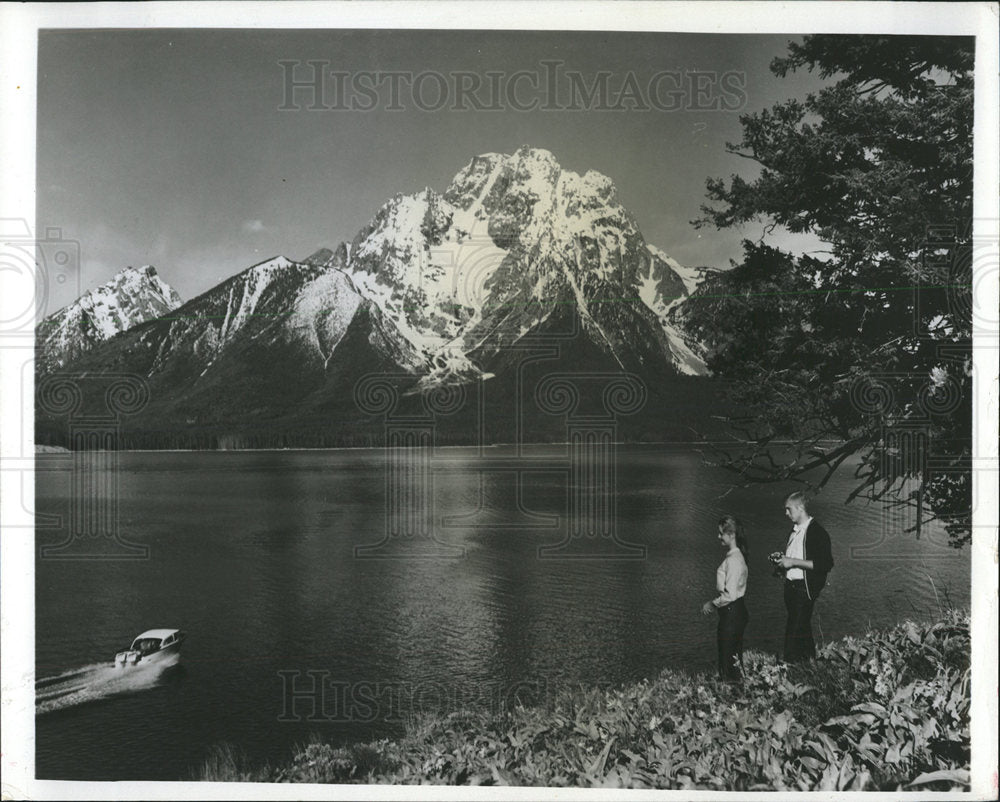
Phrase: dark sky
x=169 y=147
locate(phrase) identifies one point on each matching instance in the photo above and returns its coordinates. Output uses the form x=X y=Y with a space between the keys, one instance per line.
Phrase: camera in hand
x=774 y=557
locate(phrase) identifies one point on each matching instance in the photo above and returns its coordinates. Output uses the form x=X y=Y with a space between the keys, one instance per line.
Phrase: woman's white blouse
x=731 y=579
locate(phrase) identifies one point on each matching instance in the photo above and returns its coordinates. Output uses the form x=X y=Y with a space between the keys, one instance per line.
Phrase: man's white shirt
x=796 y=549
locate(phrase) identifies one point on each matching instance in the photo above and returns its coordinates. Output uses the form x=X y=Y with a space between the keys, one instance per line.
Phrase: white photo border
x=19 y=26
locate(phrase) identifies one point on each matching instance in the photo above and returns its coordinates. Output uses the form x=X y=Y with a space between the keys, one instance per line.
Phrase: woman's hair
x=731 y=525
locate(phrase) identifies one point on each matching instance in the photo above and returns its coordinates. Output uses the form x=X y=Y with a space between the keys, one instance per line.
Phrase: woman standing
x=731 y=582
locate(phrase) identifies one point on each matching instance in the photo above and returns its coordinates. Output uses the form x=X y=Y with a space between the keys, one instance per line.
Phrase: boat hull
x=132 y=657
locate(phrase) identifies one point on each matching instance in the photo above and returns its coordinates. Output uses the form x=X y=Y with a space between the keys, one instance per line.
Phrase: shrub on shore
x=889 y=711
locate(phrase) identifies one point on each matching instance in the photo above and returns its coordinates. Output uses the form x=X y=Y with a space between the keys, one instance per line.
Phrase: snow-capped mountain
x=514 y=240
x=133 y=296
x=441 y=287
x=279 y=303
x=280 y=338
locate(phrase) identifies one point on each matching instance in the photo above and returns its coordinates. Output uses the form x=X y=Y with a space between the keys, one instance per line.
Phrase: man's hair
x=799 y=498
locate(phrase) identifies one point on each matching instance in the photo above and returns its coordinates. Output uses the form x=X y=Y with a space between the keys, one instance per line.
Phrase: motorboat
x=152 y=646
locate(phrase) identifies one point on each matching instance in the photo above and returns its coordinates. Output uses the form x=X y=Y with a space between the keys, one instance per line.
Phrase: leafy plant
x=889 y=710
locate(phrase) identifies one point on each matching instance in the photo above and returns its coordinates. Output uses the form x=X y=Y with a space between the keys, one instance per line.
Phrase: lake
x=303 y=618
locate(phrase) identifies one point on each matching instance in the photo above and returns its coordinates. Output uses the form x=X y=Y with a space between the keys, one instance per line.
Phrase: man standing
x=807 y=561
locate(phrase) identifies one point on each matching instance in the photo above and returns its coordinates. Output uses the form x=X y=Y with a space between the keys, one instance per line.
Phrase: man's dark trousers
x=799 y=644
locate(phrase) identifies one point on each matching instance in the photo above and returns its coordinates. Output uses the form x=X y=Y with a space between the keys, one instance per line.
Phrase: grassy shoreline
x=885 y=711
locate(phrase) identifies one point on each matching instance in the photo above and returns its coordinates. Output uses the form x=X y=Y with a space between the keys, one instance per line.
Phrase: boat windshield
x=146 y=645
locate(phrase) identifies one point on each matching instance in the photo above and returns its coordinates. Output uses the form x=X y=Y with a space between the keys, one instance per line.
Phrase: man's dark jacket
x=816 y=547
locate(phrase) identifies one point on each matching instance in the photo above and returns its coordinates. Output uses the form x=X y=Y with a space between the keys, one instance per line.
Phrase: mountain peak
x=147 y=270
x=126 y=274
x=136 y=281
x=132 y=296
x=274 y=261
x=528 y=152
x=326 y=258
x=320 y=258
x=511 y=233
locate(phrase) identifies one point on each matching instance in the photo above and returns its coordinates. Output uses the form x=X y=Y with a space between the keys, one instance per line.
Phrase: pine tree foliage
x=864 y=348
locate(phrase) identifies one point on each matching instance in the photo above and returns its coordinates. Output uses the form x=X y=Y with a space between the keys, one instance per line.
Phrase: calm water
x=252 y=553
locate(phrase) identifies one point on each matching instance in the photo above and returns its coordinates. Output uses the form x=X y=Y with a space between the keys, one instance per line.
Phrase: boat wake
x=97 y=681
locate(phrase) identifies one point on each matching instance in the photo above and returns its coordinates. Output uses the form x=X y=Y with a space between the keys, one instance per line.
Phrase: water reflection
x=254 y=555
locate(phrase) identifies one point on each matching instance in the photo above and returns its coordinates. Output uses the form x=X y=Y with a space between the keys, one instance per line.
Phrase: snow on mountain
x=133 y=296
x=277 y=303
x=438 y=285
x=513 y=238
x=690 y=276
x=245 y=295
x=324 y=309
x=687 y=354
x=259 y=341
x=665 y=286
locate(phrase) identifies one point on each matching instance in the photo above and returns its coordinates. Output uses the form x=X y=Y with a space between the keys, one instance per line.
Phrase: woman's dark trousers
x=732 y=622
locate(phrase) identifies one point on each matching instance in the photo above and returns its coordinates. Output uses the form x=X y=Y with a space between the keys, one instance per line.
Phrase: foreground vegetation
x=889 y=711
